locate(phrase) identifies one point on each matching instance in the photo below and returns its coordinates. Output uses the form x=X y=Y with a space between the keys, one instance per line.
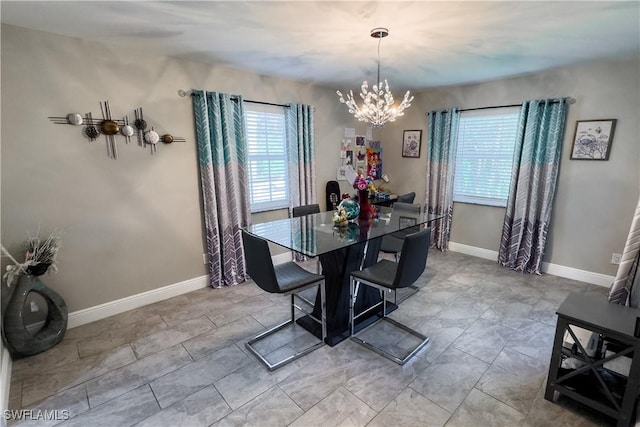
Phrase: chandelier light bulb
x=378 y=104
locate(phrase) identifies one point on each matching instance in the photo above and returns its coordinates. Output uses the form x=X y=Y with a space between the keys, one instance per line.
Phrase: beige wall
x=594 y=200
x=133 y=224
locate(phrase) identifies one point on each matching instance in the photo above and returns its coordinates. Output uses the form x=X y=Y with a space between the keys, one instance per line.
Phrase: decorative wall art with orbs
x=111 y=128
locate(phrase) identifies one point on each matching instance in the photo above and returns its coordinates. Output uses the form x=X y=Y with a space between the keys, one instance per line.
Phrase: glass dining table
x=341 y=250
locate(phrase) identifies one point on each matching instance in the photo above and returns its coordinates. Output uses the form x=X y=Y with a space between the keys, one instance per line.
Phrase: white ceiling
x=328 y=43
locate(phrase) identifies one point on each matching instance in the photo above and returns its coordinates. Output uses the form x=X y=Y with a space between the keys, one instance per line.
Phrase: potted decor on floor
x=24 y=278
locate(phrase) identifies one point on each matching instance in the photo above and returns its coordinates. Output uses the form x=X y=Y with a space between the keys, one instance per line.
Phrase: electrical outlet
x=204 y=259
x=615 y=258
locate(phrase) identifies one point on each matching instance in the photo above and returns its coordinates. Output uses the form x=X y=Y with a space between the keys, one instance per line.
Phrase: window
x=486 y=140
x=266 y=158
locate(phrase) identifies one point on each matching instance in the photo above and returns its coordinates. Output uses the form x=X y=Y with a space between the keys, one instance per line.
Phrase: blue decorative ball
x=351 y=207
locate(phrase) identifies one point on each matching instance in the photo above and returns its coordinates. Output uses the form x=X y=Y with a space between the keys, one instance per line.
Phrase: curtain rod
x=261 y=102
x=569 y=101
x=183 y=93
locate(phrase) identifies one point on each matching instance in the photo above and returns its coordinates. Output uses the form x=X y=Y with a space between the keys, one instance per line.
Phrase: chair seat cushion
x=382 y=273
x=291 y=276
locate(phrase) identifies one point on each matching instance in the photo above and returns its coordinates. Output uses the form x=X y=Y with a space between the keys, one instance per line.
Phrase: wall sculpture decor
x=111 y=128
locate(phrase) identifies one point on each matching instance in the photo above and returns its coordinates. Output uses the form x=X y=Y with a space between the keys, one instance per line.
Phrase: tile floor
x=182 y=361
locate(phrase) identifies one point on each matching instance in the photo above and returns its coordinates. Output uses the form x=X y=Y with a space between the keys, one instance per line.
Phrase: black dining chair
x=406 y=198
x=305 y=210
x=288 y=279
x=392 y=243
x=388 y=276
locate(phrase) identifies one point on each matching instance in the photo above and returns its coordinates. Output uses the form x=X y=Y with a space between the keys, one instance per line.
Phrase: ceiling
x=328 y=43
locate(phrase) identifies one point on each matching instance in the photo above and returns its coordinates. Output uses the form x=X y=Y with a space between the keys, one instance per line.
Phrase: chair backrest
x=306 y=210
x=398 y=209
x=259 y=263
x=406 y=198
x=402 y=206
x=413 y=261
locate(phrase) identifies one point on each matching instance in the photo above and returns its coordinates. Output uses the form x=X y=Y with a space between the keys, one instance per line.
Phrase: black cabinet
x=604 y=373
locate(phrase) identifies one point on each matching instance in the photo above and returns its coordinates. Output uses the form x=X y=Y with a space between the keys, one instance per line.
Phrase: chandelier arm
x=378 y=104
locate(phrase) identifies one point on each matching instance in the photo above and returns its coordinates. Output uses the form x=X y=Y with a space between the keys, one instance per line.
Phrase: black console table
x=383 y=202
x=593 y=382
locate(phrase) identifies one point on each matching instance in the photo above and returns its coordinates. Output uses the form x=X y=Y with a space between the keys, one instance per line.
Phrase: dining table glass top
x=315 y=234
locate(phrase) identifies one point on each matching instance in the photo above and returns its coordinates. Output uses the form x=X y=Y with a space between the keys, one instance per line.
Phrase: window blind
x=484 y=157
x=267 y=161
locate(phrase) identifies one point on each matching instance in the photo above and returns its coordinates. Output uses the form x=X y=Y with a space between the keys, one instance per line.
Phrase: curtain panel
x=623 y=289
x=221 y=138
x=302 y=154
x=302 y=158
x=441 y=153
x=534 y=175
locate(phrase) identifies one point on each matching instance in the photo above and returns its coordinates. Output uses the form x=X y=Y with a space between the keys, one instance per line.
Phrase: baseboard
x=474 y=251
x=5 y=379
x=111 y=308
x=577 y=274
x=547 y=267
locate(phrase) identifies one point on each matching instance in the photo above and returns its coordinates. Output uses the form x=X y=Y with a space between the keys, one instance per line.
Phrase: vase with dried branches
x=39 y=256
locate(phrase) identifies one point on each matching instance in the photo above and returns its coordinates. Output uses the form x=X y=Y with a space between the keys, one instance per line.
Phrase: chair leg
x=352 y=297
x=384 y=305
x=292 y=321
x=401 y=361
x=323 y=310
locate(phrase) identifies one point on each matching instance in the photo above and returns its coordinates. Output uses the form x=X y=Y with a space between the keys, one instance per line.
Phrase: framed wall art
x=592 y=139
x=411 y=141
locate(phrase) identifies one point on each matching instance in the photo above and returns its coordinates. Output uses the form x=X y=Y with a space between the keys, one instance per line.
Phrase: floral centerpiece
x=40 y=255
x=365 y=186
x=362 y=183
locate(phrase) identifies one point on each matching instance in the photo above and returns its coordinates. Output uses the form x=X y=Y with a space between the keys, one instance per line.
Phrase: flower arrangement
x=362 y=183
x=40 y=255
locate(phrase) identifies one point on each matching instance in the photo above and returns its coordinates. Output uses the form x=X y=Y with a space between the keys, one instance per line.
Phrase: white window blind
x=486 y=140
x=267 y=163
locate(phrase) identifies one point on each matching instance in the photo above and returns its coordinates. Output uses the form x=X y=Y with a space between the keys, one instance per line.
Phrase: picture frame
x=592 y=139
x=411 y=143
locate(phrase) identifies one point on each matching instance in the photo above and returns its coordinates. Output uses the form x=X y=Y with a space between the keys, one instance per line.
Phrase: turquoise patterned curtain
x=441 y=152
x=221 y=138
x=302 y=154
x=533 y=182
x=625 y=289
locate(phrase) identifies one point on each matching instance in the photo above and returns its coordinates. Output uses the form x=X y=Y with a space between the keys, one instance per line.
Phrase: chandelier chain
x=378 y=77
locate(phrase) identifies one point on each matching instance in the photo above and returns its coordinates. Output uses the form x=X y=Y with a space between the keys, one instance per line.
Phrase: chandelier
x=377 y=107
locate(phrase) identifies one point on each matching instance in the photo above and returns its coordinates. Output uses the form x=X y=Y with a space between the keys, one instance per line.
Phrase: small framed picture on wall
x=592 y=139
x=411 y=141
